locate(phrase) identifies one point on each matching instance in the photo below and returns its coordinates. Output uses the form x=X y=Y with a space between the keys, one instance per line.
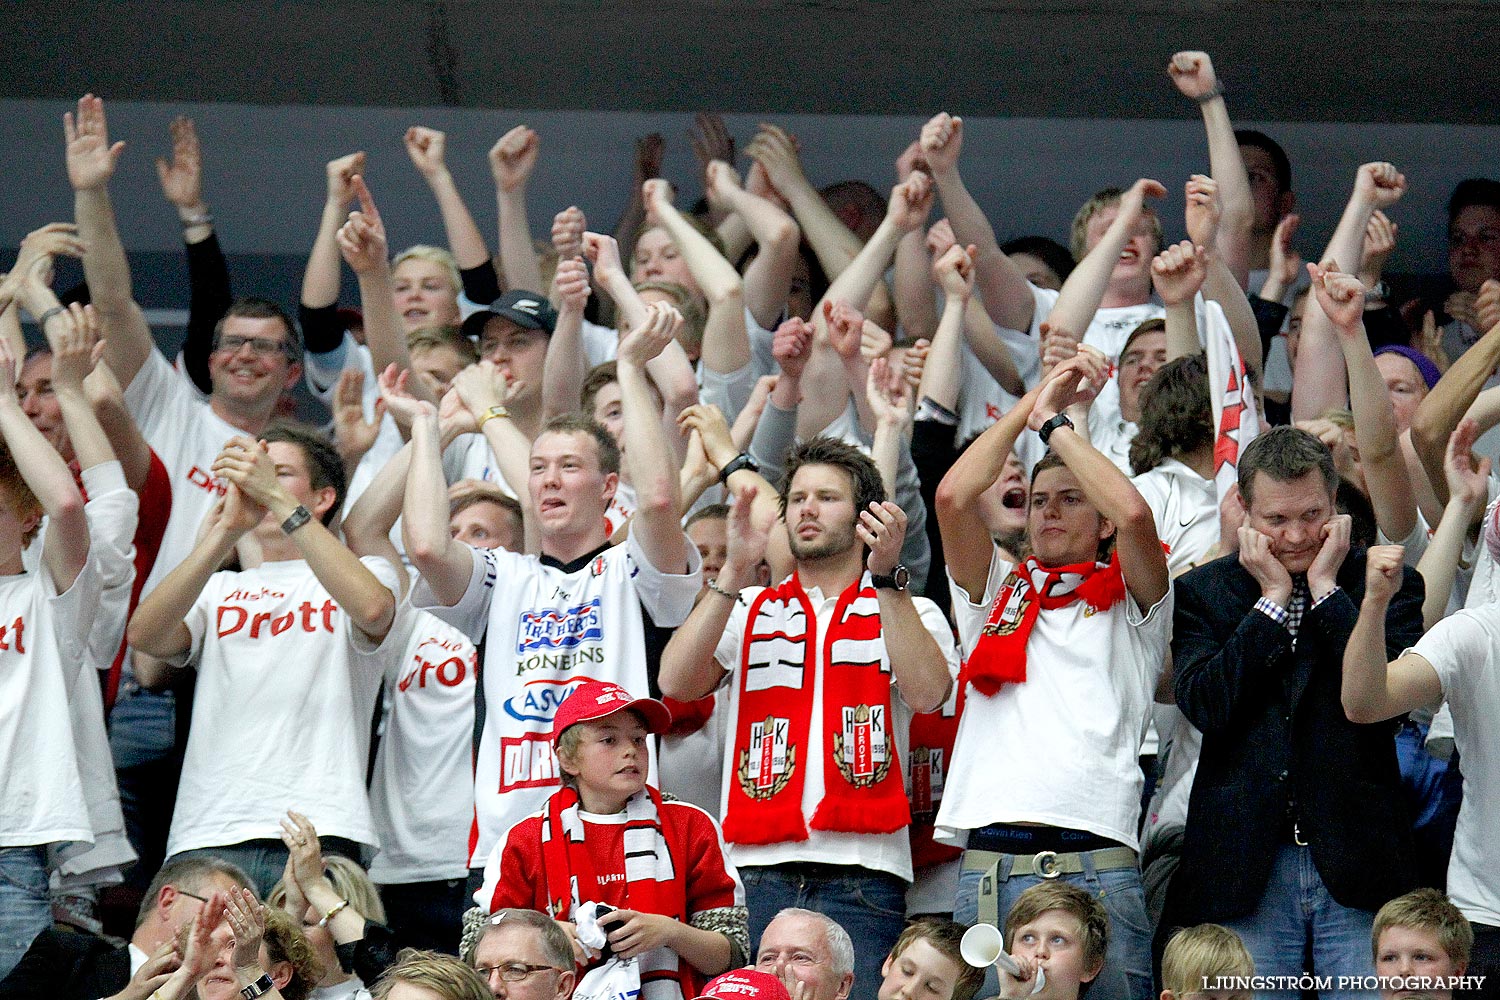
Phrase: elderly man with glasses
x=522 y=954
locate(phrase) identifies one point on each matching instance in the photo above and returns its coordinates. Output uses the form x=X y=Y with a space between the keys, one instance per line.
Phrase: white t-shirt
x=43 y=640
x=187 y=436
x=886 y=852
x=1060 y=748
x=547 y=630
x=1111 y=434
x=1465 y=652
x=281 y=716
x=422 y=794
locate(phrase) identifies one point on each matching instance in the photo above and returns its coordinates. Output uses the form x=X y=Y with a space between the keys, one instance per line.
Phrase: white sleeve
x=667 y=597
x=73 y=613
x=112 y=511
x=600 y=343
x=969 y=616
x=1456 y=646
x=161 y=401
x=472 y=612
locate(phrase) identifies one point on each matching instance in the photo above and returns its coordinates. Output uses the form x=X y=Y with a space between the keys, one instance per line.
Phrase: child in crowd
x=1061 y=929
x=926 y=962
x=1421 y=936
x=607 y=837
x=1198 y=957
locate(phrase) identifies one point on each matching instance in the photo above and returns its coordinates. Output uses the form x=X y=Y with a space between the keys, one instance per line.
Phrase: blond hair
x=436 y=255
x=1078 y=237
x=349 y=880
x=285 y=942
x=1195 y=955
x=430 y=338
x=1431 y=911
x=442 y=974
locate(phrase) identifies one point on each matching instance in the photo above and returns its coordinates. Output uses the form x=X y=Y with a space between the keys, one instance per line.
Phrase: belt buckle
x=1297 y=834
x=1044 y=863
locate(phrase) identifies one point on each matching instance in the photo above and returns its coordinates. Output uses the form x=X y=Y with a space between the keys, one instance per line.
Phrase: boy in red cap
x=607 y=837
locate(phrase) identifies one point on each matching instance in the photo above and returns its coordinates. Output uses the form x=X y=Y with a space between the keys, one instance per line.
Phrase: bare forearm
x=941 y=375
x=105 y=266
x=519 y=265
x=369 y=522
x=1223 y=287
x=1084 y=289
x=688 y=668
x=645 y=442
x=1318 y=381
x=1182 y=331
x=1364 y=679
x=1002 y=286
x=158 y=628
x=833 y=243
x=1237 y=210
x=320 y=282
x=566 y=365
x=916 y=659
x=424 y=517
x=991 y=351
x=911 y=287
x=463 y=234
x=707 y=951
x=1442 y=409
x=90 y=444
x=1439 y=564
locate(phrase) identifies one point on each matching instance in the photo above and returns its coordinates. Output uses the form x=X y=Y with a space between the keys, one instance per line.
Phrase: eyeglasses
x=263 y=346
x=514 y=972
x=191 y=895
x=1482 y=239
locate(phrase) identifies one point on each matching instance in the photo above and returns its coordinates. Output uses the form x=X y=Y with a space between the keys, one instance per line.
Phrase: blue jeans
x=25 y=902
x=1434 y=791
x=870 y=905
x=1296 y=909
x=1126 y=974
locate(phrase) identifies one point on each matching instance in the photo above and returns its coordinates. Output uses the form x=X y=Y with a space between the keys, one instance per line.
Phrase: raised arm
x=1372 y=689
x=1205 y=227
x=567 y=364
x=209 y=294
x=833 y=242
x=656 y=523
x=1002 y=285
x=427 y=148
x=1193 y=73
x=73 y=338
x=486 y=391
x=768 y=279
x=890 y=399
x=320 y=282
x=91 y=163
x=910 y=203
x=67 y=544
x=1142 y=560
x=512 y=159
x=1085 y=287
x=1177 y=273
x=1341 y=299
x=975 y=471
x=911 y=281
x=725 y=341
x=444 y=563
x=363 y=244
x=1439 y=413
x=942 y=376
x=1468 y=489
x=1315 y=386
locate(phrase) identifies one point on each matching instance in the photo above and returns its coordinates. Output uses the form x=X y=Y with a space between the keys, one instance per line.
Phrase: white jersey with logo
x=187 y=436
x=546 y=629
x=281 y=715
x=43 y=643
x=422 y=794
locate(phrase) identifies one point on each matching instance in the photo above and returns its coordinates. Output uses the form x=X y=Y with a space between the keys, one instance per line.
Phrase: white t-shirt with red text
x=547 y=628
x=281 y=716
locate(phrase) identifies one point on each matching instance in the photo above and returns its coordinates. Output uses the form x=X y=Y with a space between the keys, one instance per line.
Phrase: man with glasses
x=64 y=965
x=1473 y=258
x=524 y=955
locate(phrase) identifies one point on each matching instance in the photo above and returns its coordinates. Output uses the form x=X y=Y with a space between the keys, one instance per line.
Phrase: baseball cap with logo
x=597 y=699
x=745 y=984
x=525 y=309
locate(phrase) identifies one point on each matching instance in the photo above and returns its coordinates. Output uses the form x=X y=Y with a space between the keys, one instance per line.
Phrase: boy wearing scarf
x=1063 y=652
x=608 y=837
x=828 y=667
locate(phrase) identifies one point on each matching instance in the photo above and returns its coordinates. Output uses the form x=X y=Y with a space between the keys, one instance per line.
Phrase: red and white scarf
x=999 y=657
x=654 y=881
x=863 y=791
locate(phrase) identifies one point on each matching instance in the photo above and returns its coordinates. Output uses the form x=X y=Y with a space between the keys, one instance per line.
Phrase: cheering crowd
x=746 y=603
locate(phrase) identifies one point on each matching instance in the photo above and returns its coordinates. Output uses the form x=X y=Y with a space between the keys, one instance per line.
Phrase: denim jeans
x=265 y=860
x=1126 y=974
x=25 y=902
x=1434 y=791
x=870 y=905
x=1297 y=909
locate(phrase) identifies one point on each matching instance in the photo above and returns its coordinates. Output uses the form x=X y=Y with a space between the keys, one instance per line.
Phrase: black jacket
x=61 y=965
x=1277 y=746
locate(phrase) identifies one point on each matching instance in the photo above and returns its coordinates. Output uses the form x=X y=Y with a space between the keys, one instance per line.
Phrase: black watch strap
x=1059 y=420
x=735 y=464
x=260 y=987
x=898 y=579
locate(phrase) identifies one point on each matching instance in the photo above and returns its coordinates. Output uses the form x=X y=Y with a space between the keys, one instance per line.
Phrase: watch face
x=902 y=577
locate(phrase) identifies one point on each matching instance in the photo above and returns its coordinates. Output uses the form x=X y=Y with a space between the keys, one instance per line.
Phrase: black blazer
x=61 y=965
x=1274 y=732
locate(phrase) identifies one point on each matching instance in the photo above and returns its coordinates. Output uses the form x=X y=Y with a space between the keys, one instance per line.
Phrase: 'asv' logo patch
x=551 y=629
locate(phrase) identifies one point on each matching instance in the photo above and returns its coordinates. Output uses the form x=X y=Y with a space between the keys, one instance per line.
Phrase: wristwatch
x=492 y=413
x=260 y=987
x=735 y=464
x=897 y=579
x=296 y=519
x=1045 y=431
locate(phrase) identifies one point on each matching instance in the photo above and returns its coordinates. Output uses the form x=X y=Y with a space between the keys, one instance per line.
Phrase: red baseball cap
x=745 y=984
x=598 y=699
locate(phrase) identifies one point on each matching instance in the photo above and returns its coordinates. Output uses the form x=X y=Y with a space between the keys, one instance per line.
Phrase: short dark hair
x=596 y=379
x=1045 y=249
x=1052 y=460
x=324 y=466
x=1473 y=191
x=191 y=873
x=864 y=478
x=1279 y=160
x=1284 y=454
x=499 y=498
x=250 y=307
x=719 y=511
x=582 y=423
x=1176 y=413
